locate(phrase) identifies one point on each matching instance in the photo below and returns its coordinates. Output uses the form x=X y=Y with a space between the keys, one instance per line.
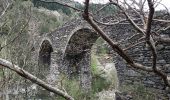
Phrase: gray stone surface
x=72 y=43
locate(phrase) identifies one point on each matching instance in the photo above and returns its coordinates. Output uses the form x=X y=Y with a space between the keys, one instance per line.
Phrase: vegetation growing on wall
x=140 y=92
x=52 y=6
x=16 y=41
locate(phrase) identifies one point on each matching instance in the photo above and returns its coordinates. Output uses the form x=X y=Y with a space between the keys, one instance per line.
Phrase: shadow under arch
x=77 y=56
x=44 y=59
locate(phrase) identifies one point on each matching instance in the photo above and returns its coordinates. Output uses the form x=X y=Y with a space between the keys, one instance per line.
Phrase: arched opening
x=44 y=59
x=77 y=53
x=78 y=60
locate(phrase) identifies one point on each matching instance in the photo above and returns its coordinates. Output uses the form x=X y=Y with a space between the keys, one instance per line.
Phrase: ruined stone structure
x=67 y=50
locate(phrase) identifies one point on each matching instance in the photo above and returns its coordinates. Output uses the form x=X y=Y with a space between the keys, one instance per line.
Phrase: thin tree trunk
x=34 y=79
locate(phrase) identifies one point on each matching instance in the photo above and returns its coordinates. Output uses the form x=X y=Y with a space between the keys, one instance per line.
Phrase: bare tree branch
x=19 y=33
x=102 y=8
x=128 y=17
x=140 y=14
x=163 y=40
x=33 y=79
x=161 y=20
x=149 y=20
x=114 y=23
x=6 y=8
x=150 y=42
x=159 y=3
x=131 y=46
x=114 y=46
x=117 y=49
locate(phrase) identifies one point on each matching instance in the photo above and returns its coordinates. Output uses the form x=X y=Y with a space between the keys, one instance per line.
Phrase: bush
x=48 y=23
x=73 y=88
x=52 y=6
x=99 y=83
x=139 y=91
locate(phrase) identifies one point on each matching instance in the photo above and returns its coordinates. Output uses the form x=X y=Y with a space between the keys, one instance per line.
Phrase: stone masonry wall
x=122 y=33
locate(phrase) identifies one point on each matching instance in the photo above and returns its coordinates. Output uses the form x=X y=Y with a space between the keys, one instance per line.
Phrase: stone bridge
x=68 y=49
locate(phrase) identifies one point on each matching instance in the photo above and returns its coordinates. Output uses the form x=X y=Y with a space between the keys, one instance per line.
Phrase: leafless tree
x=146 y=30
x=19 y=70
x=146 y=18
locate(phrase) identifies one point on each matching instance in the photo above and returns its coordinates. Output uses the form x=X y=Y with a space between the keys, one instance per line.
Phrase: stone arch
x=77 y=56
x=124 y=33
x=44 y=58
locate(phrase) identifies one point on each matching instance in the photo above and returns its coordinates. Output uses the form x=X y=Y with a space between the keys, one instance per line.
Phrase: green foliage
x=48 y=25
x=139 y=91
x=1 y=73
x=101 y=47
x=44 y=28
x=47 y=22
x=17 y=39
x=52 y=6
x=13 y=22
x=100 y=79
x=102 y=50
x=4 y=30
x=73 y=88
x=110 y=9
x=99 y=83
x=93 y=63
